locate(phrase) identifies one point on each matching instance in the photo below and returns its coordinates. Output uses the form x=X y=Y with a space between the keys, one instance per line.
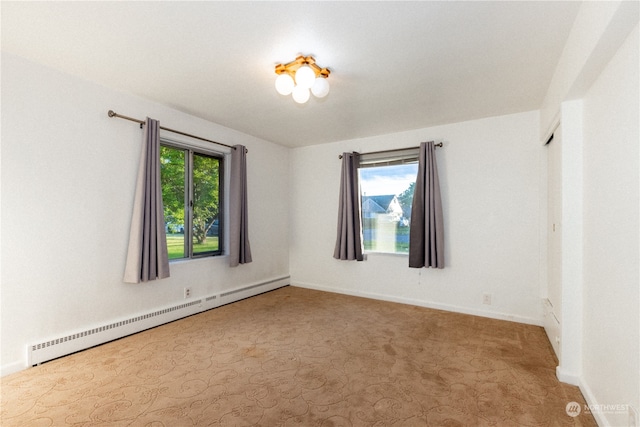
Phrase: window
x=387 y=181
x=192 y=197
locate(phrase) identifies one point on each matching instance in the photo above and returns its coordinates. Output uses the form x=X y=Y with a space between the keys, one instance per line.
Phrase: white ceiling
x=394 y=65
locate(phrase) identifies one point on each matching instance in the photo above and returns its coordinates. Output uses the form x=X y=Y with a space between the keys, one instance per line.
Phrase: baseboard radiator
x=82 y=340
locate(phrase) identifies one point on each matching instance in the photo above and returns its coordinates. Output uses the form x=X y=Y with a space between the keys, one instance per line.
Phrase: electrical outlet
x=633 y=416
x=486 y=299
x=187 y=293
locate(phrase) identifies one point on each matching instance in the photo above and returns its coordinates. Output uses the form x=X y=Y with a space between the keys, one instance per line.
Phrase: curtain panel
x=426 y=235
x=239 y=247
x=147 y=256
x=349 y=237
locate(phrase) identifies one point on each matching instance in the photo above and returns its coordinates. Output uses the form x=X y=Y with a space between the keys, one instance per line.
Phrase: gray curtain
x=426 y=236
x=349 y=238
x=147 y=257
x=239 y=248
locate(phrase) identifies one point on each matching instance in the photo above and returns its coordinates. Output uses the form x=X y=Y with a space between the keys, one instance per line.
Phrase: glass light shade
x=305 y=76
x=284 y=84
x=320 y=87
x=301 y=94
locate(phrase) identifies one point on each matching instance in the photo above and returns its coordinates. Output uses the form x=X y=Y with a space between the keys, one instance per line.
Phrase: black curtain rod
x=112 y=113
x=439 y=144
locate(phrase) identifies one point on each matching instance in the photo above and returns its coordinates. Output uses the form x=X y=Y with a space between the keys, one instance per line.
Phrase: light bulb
x=320 y=87
x=305 y=76
x=284 y=84
x=300 y=94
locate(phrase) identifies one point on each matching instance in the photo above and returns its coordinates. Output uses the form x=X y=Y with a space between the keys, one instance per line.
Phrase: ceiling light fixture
x=301 y=77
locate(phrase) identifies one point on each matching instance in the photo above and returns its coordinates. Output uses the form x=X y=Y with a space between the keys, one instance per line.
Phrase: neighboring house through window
x=386 y=190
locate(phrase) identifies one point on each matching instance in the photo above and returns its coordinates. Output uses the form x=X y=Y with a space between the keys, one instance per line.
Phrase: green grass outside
x=175 y=245
x=402 y=246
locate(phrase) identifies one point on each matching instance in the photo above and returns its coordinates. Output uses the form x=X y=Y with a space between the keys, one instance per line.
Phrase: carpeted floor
x=297 y=357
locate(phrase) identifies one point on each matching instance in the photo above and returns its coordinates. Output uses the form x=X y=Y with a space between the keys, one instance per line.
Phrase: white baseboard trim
x=426 y=304
x=11 y=368
x=592 y=402
x=567 y=377
x=92 y=335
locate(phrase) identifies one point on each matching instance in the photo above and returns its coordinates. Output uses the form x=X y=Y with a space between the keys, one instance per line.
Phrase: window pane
x=172 y=174
x=387 y=195
x=206 y=201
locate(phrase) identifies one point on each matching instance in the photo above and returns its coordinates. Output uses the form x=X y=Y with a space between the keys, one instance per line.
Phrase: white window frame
x=223 y=188
x=382 y=159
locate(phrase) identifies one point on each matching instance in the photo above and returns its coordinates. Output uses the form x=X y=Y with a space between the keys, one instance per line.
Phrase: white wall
x=489 y=174
x=599 y=28
x=68 y=177
x=595 y=94
x=571 y=232
x=611 y=293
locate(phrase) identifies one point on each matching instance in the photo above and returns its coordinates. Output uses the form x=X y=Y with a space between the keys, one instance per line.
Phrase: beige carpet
x=297 y=357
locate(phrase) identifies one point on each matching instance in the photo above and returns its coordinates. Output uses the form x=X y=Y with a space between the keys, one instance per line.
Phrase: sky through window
x=384 y=180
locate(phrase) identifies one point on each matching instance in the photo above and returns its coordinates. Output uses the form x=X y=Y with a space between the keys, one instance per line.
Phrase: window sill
x=204 y=258
x=398 y=254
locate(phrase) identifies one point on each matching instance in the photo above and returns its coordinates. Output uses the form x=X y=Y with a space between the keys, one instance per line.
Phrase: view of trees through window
x=191 y=197
x=386 y=194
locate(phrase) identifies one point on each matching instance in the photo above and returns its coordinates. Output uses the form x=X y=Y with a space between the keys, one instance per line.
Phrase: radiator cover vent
x=112 y=325
x=74 y=342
